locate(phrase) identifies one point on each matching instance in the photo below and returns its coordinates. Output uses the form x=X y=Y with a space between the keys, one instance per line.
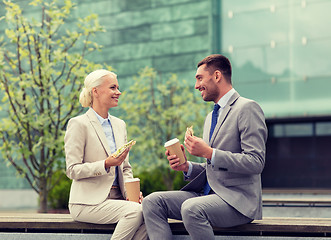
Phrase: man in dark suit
x=225 y=190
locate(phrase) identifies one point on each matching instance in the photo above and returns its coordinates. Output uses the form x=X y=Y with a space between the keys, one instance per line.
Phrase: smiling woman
x=98 y=193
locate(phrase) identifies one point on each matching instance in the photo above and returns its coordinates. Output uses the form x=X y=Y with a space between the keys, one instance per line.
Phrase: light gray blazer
x=86 y=148
x=239 y=139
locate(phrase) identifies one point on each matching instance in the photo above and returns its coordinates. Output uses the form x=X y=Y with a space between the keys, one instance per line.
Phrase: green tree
x=156 y=110
x=42 y=66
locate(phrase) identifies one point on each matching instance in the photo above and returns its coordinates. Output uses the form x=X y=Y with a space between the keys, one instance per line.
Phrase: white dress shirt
x=108 y=130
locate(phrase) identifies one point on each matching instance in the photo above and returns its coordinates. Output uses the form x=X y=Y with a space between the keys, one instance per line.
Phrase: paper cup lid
x=171 y=142
x=132 y=180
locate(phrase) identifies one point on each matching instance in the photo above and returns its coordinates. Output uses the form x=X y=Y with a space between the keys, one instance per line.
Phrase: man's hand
x=197 y=147
x=174 y=161
x=111 y=161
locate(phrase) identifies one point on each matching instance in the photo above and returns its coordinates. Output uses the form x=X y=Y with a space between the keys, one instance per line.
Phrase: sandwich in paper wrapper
x=123 y=148
x=190 y=131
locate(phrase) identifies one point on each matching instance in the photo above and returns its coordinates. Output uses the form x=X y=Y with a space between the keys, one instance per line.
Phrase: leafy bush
x=58 y=196
x=153 y=181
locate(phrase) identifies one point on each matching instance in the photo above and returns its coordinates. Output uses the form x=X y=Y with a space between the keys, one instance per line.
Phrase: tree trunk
x=43 y=195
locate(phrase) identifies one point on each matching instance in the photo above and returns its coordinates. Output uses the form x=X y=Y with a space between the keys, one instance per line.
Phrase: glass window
x=293 y=130
x=280 y=53
x=278 y=130
x=323 y=129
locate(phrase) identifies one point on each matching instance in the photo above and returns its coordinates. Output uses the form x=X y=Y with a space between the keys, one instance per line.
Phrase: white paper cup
x=132 y=187
x=174 y=148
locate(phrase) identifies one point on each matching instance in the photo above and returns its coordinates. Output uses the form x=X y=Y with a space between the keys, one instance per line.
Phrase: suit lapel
x=98 y=129
x=223 y=115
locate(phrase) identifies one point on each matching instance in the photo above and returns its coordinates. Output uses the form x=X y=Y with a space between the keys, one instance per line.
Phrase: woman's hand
x=141 y=197
x=111 y=161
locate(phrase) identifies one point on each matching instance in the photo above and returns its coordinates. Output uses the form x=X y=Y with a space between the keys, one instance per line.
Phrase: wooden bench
x=63 y=223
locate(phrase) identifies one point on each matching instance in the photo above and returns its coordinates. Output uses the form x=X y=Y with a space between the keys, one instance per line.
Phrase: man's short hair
x=218 y=62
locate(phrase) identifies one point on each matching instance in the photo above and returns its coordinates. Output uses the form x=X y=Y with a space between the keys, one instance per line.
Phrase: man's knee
x=191 y=210
x=150 y=200
x=148 y=203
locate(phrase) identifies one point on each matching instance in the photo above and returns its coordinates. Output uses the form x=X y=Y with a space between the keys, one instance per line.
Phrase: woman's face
x=108 y=93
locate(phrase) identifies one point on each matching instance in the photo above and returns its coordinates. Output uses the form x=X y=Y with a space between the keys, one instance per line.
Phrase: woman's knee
x=135 y=208
x=134 y=211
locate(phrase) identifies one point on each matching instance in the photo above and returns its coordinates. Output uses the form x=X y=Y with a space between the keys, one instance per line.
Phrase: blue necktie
x=207 y=188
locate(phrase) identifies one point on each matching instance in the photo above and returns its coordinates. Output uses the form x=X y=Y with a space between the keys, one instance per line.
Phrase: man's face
x=206 y=84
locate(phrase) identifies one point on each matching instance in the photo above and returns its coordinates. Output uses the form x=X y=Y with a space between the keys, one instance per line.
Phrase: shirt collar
x=101 y=119
x=224 y=100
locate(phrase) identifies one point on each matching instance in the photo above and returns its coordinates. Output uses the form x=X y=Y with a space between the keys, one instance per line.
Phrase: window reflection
x=277 y=50
x=323 y=129
x=300 y=129
x=293 y=130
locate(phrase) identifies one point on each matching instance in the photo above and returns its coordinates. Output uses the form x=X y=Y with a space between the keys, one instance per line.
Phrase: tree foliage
x=156 y=110
x=42 y=68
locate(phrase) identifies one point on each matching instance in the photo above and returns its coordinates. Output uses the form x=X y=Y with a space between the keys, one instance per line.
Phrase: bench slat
x=65 y=222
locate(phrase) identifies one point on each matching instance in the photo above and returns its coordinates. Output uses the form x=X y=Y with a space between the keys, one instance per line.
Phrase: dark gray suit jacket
x=239 y=140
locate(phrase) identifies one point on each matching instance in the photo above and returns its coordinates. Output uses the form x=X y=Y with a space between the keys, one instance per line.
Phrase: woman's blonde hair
x=94 y=79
